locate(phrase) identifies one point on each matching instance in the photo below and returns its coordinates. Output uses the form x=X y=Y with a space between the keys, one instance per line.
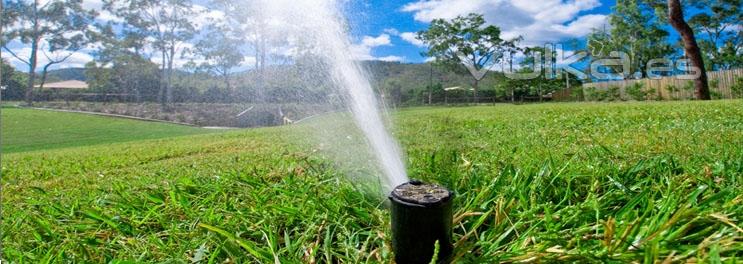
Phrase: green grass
x=29 y=129
x=620 y=182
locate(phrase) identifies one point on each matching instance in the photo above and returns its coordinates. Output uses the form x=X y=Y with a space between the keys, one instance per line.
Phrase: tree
x=719 y=32
x=262 y=36
x=4 y=18
x=52 y=27
x=466 y=41
x=540 y=84
x=676 y=18
x=11 y=82
x=636 y=31
x=167 y=22
x=220 y=52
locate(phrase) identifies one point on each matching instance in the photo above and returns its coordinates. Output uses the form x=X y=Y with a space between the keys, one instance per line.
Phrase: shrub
x=613 y=94
x=636 y=91
x=714 y=89
x=589 y=93
x=652 y=94
x=714 y=83
x=577 y=94
x=715 y=94
x=600 y=95
x=671 y=90
x=688 y=86
x=737 y=88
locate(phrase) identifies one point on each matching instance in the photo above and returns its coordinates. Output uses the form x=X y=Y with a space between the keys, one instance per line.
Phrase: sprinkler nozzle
x=421 y=216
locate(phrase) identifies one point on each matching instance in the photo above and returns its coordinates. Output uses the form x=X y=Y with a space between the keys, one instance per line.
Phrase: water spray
x=421 y=217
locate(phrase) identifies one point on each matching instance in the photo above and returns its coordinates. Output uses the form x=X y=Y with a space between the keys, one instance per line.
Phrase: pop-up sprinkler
x=421 y=215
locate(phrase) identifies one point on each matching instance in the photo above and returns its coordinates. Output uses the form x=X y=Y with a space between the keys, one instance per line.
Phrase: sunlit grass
x=29 y=129
x=553 y=182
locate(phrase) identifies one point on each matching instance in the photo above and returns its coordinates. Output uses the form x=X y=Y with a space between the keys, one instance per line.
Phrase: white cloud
x=411 y=38
x=205 y=16
x=363 y=50
x=581 y=26
x=390 y=58
x=537 y=21
x=392 y=31
x=381 y=40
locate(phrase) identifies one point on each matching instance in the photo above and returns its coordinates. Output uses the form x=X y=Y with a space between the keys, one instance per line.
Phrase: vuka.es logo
x=477 y=71
x=616 y=65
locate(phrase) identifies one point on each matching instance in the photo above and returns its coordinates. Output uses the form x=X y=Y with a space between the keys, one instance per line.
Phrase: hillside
x=66 y=74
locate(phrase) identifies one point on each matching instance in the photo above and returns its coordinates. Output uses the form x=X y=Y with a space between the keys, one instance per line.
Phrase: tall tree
x=219 y=50
x=167 y=23
x=719 y=32
x=676 y=18
x=466 y=41
x=635 y=30
x=258 y=34
x=48 y=27
x=122 y=64
x=4 y=18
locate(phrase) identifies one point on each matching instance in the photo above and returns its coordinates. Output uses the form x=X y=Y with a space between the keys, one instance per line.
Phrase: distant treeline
x=398 y=83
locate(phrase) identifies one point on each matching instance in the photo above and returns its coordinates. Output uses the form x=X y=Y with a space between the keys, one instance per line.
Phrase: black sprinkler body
x=421 y=215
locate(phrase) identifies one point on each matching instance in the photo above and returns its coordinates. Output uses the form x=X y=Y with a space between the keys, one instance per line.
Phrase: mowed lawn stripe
x=30 y=129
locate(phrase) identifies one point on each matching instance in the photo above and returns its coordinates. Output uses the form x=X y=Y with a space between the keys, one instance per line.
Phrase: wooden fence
x=670 y=87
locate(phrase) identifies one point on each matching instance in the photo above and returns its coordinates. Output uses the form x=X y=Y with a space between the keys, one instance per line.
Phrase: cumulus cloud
x=392 y=31
x=411 y=37
x=363 y=50
x=206 y=16
x=390 y=58
x=537 y=21
x=381 y=40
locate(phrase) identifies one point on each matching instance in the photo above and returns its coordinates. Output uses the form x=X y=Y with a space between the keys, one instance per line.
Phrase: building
x=71 y=84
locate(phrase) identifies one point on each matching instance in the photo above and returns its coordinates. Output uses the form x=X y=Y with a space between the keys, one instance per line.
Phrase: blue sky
x=539 y=22
x=384 y=29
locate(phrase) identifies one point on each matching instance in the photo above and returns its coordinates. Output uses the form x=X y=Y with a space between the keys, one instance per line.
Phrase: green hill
x=66 y=74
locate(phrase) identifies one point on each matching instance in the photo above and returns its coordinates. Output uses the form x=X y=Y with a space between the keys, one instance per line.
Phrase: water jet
x=421 y=215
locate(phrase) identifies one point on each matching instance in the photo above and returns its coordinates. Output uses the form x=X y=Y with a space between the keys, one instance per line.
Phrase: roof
x=71 y=84
x=457 y=88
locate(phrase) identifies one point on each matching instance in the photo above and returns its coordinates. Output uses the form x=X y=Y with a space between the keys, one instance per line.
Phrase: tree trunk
x=474 y=90
x=227 y=83
x=676 y=18
x=44 y=74
x=169 y=80
x=430 y=85
x=513 y=94
x=32 y=72
x=32 y=60
x=259 y=89
x=2 y=30
x=161 y=92
x=539 y=92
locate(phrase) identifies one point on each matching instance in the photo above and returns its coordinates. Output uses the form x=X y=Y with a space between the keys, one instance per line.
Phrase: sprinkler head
x=421 y=215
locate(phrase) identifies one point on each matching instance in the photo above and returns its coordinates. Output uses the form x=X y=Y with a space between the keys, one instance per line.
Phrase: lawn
x=579 y=182
x=29 y=129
